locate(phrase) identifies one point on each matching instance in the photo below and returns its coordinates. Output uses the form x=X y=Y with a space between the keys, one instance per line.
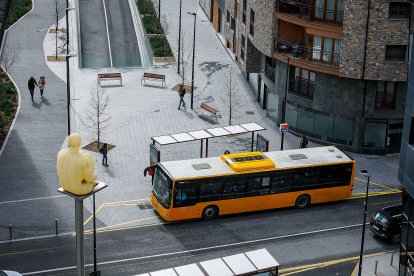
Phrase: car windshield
x=381 y=218
x=162 y=188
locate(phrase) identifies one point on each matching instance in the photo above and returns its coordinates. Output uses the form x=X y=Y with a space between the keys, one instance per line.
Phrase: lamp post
x=366 y=174
x=179 y=38
x=67 y=64
x=284 y=102
x=192 y=72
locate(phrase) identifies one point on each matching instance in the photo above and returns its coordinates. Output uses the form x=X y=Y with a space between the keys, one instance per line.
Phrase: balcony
x=300 y=10
x=270 y=72
x=314 y=59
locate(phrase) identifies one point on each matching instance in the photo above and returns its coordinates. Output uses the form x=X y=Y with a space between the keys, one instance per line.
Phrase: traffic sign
x=284 y=127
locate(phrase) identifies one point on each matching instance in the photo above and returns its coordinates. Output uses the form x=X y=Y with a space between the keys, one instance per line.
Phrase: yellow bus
x=245 y=182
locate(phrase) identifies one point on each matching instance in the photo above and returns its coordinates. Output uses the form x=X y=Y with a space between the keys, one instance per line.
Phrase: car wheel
x=396 y=239
x=303 y=201
x=210 y=212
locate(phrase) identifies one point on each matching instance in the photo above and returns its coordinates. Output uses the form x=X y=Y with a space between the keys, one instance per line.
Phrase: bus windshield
x=162 y=188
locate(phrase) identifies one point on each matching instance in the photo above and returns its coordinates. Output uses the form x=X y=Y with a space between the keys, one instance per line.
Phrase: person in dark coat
x=31 y=85
x=104 y=151
x=303 y=142
x=181 y=92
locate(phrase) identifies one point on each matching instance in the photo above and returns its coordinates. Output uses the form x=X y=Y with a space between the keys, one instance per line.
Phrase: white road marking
x=30 y=199
x=200 y=249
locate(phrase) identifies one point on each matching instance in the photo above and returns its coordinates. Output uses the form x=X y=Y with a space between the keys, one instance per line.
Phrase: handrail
x=313 y=55
x=309 y=12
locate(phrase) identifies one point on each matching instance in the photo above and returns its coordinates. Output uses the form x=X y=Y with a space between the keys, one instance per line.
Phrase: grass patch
x=145 y=7
x=8 y=105
x=18 y=8
x=160 y=46
x=151 y=24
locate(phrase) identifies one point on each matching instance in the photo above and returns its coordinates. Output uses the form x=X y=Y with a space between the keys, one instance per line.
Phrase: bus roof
x=203 y=167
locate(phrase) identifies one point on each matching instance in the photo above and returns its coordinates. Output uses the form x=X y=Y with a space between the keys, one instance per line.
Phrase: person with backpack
x=41 y=83
x=181 y=92
x=104 y=151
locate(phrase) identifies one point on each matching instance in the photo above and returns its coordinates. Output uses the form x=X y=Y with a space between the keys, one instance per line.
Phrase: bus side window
x=306 y=178
x=258 y=186
x=234 y=189
x=185 y=196
x=281 y=183
x=210 y=191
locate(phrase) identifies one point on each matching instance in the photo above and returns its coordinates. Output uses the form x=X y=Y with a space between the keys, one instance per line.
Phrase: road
x=294 y=237
x=107 y=34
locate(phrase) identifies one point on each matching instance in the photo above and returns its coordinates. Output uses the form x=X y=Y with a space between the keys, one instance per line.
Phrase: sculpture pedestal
x=80 y=254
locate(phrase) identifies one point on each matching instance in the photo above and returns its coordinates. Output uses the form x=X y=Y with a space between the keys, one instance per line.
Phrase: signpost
x=283 y=128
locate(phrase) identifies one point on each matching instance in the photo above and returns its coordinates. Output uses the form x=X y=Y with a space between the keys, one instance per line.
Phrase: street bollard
x=10 y=231
x=56 y=227
x=392 y=258
x=376 y=266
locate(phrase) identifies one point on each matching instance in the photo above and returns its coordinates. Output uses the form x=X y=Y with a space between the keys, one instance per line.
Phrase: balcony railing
x=270 y=72
x=308 y=12
x=311 y=55
x=301 y=87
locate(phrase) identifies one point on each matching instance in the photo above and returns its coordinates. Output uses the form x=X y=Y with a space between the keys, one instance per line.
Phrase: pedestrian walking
x=181 y=92
x=41 y=83
x=31 y=84
x=104 y=151
x=303 y=142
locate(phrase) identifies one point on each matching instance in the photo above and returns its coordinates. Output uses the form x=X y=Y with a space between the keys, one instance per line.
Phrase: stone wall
x=382 y=31
x=264 y=30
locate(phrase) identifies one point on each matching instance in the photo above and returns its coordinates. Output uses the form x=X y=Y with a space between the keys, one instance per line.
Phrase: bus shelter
x=206 y=134
x=257 y=262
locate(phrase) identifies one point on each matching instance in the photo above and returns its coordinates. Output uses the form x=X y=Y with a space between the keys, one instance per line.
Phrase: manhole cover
x=249 y=112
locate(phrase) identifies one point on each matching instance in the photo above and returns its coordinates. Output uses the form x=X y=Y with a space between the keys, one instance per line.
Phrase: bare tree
x=231 y=98
x=96 y=117
x=57 y=13
x=186 y=52
x=9 y=56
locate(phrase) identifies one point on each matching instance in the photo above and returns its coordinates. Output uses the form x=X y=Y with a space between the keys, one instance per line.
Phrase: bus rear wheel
x=210 y=212
x=303 y=201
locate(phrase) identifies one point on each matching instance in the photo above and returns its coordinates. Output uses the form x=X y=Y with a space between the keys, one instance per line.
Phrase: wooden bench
x=109 y=76
x=158 y=77
x=208 y=109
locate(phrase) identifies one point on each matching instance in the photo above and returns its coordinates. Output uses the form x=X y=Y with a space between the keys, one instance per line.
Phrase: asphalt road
x=294 y=237
x=107 y=34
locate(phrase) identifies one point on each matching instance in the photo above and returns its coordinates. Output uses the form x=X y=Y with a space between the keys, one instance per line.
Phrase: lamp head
x=365 y=173
x=192 y=13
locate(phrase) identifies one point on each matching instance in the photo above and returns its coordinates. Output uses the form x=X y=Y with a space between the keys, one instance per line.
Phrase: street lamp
x=68 y=55
x=366 y=174
x=179 y=38
x=284 y=102
x=192 y=72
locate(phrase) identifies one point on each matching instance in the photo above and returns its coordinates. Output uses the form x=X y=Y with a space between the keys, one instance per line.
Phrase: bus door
x=185 y=195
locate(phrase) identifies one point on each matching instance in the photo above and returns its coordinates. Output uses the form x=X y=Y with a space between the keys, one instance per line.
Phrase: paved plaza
x=28 y=179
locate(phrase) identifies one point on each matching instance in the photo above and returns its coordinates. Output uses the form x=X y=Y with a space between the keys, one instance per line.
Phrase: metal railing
x=309 y=12
x=270 y=72
x=311 y=55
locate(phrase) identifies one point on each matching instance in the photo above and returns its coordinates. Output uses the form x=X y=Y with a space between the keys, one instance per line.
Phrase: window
x=411 y=138
x=399 y=10
x=305 y=178
x=228 y=17
x=251 y=22
x=325 y=49
x=242 y=47
x=281 y=183
x=386 y=95
x=258 y=186
x=185 y=194
x=234 y=189
x=337 y=175
x=244 y=12
x=301 y=82
x=395 y=52
x=210 y=191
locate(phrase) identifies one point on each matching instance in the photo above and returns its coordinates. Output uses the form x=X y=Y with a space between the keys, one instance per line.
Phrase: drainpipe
x=365 y=57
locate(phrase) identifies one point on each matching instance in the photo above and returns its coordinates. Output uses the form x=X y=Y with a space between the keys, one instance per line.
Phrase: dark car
x=386 y=223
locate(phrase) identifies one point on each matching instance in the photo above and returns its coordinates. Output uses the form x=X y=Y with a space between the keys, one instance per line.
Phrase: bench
x=208 y=109
x=158 y=77
x=109 y=76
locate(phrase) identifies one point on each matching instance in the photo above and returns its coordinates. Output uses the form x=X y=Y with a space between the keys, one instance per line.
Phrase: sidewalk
x=385 y=264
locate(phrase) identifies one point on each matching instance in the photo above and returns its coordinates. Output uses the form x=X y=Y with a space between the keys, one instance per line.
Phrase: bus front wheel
x=303 y=201
x=210 y=212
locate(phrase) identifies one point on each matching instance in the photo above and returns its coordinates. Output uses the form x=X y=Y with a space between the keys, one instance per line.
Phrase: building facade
x=335 y=70
x=406 y=175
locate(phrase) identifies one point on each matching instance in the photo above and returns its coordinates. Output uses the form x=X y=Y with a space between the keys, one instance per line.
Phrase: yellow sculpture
x=75 y=168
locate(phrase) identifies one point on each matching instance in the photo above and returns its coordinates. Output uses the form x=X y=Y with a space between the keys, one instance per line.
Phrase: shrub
x=158 y=43
x=18 y=8
x=145 y=7
x=151 y=25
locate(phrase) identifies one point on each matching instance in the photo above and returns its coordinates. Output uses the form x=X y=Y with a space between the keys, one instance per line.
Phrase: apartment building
x=335 y=70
